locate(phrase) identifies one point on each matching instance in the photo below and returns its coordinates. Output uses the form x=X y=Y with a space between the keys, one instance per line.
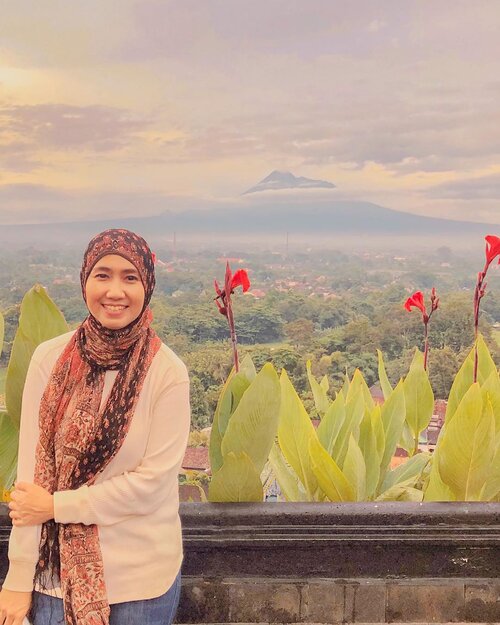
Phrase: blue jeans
x=158 y=611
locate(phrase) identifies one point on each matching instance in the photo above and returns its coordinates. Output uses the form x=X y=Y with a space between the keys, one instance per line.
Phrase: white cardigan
x=134 y=501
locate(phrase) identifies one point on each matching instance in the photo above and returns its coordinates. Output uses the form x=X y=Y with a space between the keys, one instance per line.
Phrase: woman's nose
x=115 y=289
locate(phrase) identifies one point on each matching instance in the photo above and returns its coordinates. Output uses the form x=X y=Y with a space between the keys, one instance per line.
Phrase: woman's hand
x=14 y=606
x=30 y=504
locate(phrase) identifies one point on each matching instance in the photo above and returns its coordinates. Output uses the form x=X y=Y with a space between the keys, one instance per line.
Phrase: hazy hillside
x=302 y=217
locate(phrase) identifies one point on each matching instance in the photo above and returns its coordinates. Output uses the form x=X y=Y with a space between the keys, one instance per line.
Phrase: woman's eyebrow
x=124 y=271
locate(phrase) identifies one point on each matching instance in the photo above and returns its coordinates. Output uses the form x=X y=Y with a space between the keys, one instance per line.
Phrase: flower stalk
x=224 y=303
x=491 y=252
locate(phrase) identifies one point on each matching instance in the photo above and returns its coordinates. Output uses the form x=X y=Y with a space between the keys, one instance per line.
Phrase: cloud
x=480 y=188
x=33 y=203
x=69 y=127
x=375 y=25
x=29 y=133
x=224 y=92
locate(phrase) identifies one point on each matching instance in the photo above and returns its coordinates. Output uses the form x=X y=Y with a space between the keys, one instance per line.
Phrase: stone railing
x=341 y=563
x=336 y=563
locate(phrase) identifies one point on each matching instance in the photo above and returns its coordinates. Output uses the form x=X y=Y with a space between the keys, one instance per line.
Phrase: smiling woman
x=104 y=426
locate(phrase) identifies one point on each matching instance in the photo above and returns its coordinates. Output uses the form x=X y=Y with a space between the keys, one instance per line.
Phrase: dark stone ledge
x=386 y=540
x=379 y=540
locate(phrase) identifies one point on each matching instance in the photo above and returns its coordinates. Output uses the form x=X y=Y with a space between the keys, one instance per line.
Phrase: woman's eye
x=132 y=278
x=101 y=275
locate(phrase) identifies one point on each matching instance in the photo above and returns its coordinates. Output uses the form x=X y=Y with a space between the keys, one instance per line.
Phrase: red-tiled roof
x=196 y=458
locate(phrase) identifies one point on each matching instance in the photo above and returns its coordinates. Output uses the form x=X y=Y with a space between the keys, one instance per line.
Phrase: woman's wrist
x=51 y=508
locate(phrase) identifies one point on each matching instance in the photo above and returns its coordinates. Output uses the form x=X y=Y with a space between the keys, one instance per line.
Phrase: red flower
x=240 y=278
x=416 y=301
x=492 y=248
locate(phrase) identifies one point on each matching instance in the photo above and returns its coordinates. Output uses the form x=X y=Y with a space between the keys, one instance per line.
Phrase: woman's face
x=114 y=292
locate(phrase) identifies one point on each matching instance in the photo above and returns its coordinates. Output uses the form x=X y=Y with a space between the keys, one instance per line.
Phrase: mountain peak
x=286 y=180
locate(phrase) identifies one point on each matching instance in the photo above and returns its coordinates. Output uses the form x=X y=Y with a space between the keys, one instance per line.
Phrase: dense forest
x=332 y=307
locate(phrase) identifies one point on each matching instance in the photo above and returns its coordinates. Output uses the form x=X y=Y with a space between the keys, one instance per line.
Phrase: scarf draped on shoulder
x=79 y=437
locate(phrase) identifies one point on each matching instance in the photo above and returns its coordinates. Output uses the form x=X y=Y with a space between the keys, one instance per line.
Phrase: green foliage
x=9 y=437
x=295 y=432
x=237 y=480
x=419 y=398
x=243 y=432
x=385 y=385
x=40 y=320
x=348 y=457
x=467 y=446
x=2 y=332
x=299 y=331
x=319 y=391
x=466 y=463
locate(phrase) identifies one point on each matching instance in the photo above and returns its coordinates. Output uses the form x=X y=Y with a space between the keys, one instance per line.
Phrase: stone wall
x=341 y=563
x=336 y=563
x=363 y=600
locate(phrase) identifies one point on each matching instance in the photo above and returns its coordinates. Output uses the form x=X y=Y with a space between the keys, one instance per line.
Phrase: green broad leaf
x=393 y=413
x=491 y=389
x=354 y=469
x=435 y=489
x=461 y=384
x=224 y=405
x=294 y=433
x=406 y=441
x=385 y=385
x=345 y=386
x=400 y=492
x=491 y=488
x=411 y=470
x=248 y=368
x=2 y=331
x=9 y=442
x=419 y=398
x=354 y=413
x=331 y=423
x=325 y=385
x=39 y=321
x=229 y=398
x=236 y=481
x=486 y=364
x=321 y=399
x=330 y=478
x=368 y=445
x=464 y=378
x=467 y=446
x=417 y=361
x=238 y=385
x=254 y=423
x=289 y=483
x=358 y=385
x=378 y=429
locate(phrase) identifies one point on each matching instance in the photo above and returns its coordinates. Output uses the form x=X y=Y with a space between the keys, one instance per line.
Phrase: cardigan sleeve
x=24 y=541
x=143 y=490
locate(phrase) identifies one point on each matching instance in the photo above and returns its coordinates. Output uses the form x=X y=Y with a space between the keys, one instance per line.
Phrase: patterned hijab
x=78 y=439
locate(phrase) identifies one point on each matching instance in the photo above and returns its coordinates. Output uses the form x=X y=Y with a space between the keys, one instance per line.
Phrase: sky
x=121 y=107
